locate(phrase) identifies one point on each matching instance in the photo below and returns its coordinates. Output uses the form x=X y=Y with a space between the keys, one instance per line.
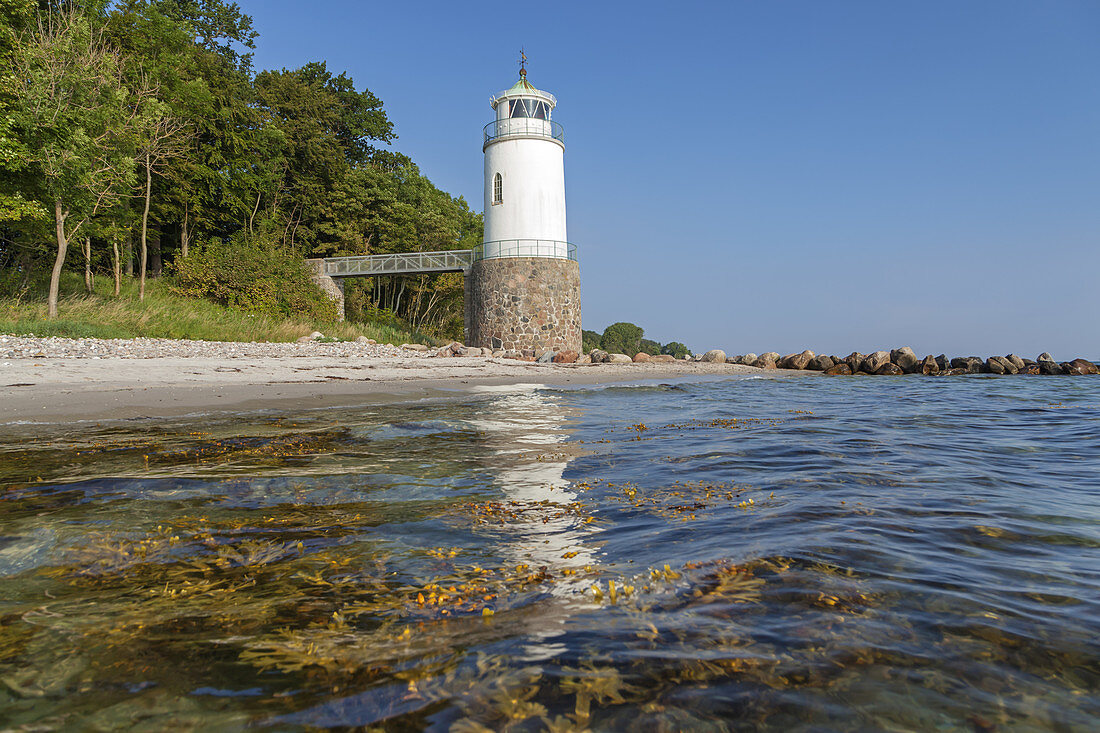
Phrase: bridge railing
x=525 y=248
x=402 y=262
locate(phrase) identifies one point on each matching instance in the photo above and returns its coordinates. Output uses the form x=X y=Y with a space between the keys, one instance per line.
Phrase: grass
x=165 y=315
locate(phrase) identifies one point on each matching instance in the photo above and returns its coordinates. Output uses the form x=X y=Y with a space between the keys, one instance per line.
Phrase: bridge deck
x=458 y=260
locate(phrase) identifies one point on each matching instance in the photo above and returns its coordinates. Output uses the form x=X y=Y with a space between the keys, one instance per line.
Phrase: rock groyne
x=905 y=361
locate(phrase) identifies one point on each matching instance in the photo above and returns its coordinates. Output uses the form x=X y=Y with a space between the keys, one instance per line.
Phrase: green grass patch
x=164 y=314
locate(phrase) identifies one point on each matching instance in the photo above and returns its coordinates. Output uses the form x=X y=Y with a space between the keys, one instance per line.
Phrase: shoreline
x=43 y=390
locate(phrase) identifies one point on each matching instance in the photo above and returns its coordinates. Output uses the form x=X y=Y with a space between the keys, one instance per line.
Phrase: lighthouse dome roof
x=523 y=88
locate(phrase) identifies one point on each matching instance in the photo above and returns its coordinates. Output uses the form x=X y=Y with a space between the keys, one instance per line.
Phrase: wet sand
x=52 y=390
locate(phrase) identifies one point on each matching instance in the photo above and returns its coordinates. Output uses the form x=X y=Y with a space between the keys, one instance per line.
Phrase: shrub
x=252 y=273
x=677 y=349
x=590 y=340
x=622 y=338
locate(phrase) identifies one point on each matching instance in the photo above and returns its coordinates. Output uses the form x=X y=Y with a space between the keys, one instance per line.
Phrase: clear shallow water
x=798 y=554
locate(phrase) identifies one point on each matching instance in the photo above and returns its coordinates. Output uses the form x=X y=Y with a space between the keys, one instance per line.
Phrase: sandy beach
x=62 y=380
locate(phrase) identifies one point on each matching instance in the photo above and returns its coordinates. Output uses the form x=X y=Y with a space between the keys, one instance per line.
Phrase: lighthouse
x=523 y=287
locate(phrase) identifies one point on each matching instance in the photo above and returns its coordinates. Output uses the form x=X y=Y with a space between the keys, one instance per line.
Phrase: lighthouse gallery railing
x=525 y=248
x=524 y=127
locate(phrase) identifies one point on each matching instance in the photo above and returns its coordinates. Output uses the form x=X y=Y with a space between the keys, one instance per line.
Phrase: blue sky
x=778 y=175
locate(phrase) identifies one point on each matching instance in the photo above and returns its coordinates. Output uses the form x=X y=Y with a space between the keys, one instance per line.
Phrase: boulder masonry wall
x=521 y=303
x=333 y=287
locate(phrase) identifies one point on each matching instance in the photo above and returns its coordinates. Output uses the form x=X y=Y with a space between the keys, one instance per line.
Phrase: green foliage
x=590 y=340
x=677 y=349
x=252 y=273
x=622 y=338
x=646 y=346
x=165 y=314
x=168 y=86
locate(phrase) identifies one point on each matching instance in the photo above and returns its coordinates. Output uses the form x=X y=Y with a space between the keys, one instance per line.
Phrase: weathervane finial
x=522 y=63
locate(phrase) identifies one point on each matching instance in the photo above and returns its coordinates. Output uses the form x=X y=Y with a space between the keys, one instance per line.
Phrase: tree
x=647 y=346
x=77 y=121
x=590 y=340
x=15 y=17
x=677 y=349
x=162 y=137
x=622 y=338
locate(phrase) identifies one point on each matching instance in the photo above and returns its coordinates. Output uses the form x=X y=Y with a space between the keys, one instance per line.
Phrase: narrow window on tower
x=498 y=189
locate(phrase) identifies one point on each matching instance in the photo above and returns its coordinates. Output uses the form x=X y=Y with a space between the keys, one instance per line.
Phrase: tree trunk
x=118 y=267
x=183 y=231
x=156 y=261
x=59 y=262
x=128 y=246
x=145 y=224
x=88 y=281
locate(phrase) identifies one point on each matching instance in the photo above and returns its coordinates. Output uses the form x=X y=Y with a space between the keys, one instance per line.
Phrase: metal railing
x=524 y=127
x=525 y=248
x=456 y=260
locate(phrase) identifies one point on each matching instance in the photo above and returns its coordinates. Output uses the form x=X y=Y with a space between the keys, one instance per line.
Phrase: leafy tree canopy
x=622 y=338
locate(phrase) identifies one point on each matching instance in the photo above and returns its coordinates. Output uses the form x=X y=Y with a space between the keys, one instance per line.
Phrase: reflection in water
x=754 y=554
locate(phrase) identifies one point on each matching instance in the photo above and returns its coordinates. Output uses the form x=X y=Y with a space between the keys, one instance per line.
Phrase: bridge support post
x=333 y=287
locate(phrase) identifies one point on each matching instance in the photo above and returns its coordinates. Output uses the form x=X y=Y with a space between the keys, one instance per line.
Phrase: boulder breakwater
x=906 y=361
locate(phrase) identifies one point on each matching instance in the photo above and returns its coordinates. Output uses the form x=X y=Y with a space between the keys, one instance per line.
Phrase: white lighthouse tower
x=523 y=291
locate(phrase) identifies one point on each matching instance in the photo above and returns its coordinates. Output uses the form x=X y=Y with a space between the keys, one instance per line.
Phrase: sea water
x=730 y=554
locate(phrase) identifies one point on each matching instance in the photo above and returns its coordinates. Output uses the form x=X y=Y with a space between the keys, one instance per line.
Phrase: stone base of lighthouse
x=524 y=303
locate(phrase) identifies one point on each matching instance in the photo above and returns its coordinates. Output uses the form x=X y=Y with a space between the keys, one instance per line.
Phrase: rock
x=972 y=364
x=444 y=353
x=797 y=361
x=954 y=372
x=942 y=362
x=1084 y=366
x=889 y=369
x=512 y=354
x=905 y=358
x=841 y=369
x=455 y=347
x=929 y=366
x=317 y=335
x=773 y=355
x=498 y=353
x=1068 y=367
x=1032 y=368
x=822 y=363
x=584 y=359
x=599 y=356
x=414 y=347
x=714 y=356
x=875 y=361
x=546 y=358
x=305 y=340
x=529 y=353
x=566 y=357
x=1016 y=361
x=1045 y=356
x=1051 y=368
x=619 y=359
x=748 y=359
x=469 y=351
x=663 y=358
x=1001 y=365
x=362 y=340
x=764 y=361
x=640 y=357
x=854 y=361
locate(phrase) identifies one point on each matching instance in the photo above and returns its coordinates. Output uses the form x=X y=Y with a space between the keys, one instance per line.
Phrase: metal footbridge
x=404 y=263
x=455 y=260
